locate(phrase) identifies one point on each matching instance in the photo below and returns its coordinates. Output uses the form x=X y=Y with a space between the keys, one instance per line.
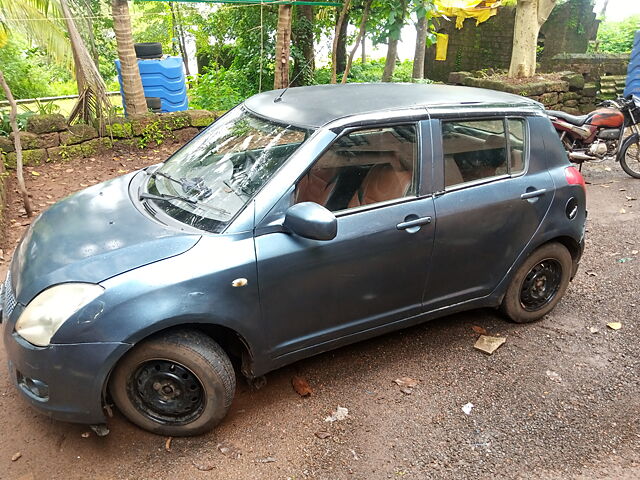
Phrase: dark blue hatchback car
x=299 y=222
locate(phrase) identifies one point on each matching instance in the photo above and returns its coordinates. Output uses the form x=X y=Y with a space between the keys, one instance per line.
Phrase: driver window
x=361 y=168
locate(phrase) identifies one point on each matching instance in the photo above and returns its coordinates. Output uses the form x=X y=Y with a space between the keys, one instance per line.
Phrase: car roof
x=318 y=105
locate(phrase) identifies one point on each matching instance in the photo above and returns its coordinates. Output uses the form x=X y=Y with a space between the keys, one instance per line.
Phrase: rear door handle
x=413 y=223
x=533 y=194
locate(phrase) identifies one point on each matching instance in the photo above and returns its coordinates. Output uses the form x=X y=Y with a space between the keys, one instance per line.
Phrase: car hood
x=90 y=236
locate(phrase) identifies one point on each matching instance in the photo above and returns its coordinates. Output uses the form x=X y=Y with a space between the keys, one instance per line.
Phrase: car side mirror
x=310 y=220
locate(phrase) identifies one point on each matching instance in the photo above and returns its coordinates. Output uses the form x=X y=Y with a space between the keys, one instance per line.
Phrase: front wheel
x=538 y=284
x=177 y=384
x=630 y=159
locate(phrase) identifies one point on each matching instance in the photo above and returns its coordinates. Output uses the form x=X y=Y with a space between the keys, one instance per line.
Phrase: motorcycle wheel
x=630 y=160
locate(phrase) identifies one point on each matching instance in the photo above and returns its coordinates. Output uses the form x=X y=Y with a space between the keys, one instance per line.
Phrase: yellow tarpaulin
x=481 y=10
x=442 y=43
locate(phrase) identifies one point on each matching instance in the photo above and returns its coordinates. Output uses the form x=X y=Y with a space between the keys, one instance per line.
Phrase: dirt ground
x=559 y=400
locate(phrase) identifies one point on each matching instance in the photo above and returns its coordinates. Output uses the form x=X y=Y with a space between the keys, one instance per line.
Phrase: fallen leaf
x=167 y=444
x=16 y=456
x=34 y=173
x=85 y=435
x=489 y=344
x=229 y=450
x=614 y=325
x=301 y=386
x=594 y=329
x=266 y=460
x=406 y=384
x=634 y=252
x=340 y=414
x=479 y=330
x=622 y=210
x=554 y=376
x=631 y=199
x=592 y=274
x=322 y=434
x=467 y=407
x=69 y=170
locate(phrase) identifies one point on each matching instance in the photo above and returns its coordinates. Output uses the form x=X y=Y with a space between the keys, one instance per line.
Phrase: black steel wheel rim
x=166 y=392
x=541 y=285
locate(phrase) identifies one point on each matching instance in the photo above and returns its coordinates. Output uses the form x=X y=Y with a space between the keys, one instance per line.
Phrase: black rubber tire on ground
x=630 y=160
x=512 y=304
x=196 y=356
x=147 y=50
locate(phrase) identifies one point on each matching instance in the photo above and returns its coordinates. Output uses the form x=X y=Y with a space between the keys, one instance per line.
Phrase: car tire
x=148 y=50
x=177 y=384
x=539 y=284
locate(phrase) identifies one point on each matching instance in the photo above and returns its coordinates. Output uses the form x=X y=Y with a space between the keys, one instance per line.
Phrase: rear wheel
x=630 y=159
x=177 y=384
x=539 y=284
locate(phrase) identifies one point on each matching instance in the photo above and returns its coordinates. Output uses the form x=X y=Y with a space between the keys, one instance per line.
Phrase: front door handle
x=411 y=224
x=533 y=194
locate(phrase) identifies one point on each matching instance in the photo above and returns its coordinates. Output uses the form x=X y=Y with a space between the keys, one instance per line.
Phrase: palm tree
x=41 y=22
x=51 y=24
x=129 y=71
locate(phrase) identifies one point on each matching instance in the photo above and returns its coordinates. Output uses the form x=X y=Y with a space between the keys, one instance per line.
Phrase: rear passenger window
x=478 y=149
x=363 y=168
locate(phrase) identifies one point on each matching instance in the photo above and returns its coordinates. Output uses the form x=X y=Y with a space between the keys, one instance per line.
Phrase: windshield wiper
x=193 y=186
x=166 y=198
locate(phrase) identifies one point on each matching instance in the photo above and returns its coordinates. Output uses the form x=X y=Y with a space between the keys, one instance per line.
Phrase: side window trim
x=417 y=176
x=439 y=152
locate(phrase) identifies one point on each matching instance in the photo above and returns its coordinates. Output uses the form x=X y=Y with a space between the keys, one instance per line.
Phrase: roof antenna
x=279 y=97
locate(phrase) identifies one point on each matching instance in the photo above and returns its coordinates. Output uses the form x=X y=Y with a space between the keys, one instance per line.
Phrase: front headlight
x=46 y=313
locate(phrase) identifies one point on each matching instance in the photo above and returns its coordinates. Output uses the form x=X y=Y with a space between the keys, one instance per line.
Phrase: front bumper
x=63 y=381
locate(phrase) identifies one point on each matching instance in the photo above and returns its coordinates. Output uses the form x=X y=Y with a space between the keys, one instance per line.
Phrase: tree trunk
x=182 y=42
x=421 y=45
x=283 y=47
x=390 y=63
x=92 y=92
x=530 y=16
x=336 y=41
x=364 y=47
x=131 y=81
x=341 y=52
x=302 y=38
x=392 y=49
x=361 y=32
x=18 y=145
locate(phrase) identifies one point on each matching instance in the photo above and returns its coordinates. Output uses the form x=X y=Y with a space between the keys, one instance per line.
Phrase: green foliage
x=617 y=37
x=5 y=126
x=221 y=89
x=44 y=108
x=370 y=72
x=152 y=133
x=29 y=71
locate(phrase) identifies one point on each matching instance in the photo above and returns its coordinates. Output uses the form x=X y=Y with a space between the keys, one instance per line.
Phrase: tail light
x=574 y=177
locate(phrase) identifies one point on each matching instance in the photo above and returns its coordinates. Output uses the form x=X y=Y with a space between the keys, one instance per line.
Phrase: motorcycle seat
x=572 y=119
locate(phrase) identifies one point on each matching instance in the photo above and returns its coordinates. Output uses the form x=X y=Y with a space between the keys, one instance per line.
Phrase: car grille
x=9 y=299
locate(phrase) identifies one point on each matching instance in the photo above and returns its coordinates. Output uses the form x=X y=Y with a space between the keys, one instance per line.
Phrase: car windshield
x=208 y=181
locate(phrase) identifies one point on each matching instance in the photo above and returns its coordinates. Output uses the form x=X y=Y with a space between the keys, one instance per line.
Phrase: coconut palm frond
x=42 y=22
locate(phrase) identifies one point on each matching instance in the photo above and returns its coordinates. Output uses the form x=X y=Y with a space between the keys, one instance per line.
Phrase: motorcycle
x=600 y=135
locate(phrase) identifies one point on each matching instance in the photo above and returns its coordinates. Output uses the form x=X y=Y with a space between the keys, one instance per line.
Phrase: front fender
x=633 y=138
x=193 y=288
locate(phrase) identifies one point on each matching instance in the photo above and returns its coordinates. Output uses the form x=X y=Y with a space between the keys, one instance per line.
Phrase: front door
x=317 y=294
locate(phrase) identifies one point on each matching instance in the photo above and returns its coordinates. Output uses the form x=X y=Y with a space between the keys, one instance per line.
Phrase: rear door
x=495 y=190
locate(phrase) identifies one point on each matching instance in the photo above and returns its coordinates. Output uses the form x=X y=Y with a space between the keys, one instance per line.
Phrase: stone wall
x=48 y=138
x=592 y=66
x=488 y=45
x=567 y=91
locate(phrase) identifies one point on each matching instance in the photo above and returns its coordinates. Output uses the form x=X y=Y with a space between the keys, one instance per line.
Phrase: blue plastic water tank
x=162 y=78
x=633 y=71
